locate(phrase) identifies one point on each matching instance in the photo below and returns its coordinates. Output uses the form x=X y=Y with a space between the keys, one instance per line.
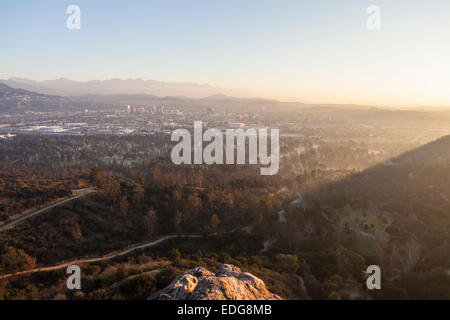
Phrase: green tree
x=122 y=272
x=175 y=255
x=334 y=296
x=13 y=260
x=287 y=262
x=178 y=221
x=113 y=191
x=98 y=177
x=334 y=283
x=149 y=222
x=124 y=205
x=350 y=262
x=165 y=276
x=214 y=222
x=138 y=194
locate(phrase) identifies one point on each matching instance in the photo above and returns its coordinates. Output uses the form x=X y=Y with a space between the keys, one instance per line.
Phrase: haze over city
x=313 y=52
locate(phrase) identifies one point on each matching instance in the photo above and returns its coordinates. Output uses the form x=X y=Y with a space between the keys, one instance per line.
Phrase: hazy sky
x=311 y=51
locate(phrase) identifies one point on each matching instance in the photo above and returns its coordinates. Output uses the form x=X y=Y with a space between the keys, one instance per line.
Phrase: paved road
x=105 y=257
x=82 y=193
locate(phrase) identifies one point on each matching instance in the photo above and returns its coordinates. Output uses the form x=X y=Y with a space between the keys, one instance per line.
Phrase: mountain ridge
x=17 y=100
x=67 y=87
x=21 y=100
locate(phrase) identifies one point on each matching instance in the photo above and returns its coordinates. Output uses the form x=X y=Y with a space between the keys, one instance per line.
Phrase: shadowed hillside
x=395 y=215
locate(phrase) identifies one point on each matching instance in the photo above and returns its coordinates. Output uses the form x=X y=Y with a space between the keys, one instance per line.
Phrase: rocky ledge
x=227 y=284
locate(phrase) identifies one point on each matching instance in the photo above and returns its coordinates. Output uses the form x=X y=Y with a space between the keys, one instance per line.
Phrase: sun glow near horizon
x=319 y=52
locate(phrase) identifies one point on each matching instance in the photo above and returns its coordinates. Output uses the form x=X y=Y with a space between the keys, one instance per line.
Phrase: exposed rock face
x=227 y=284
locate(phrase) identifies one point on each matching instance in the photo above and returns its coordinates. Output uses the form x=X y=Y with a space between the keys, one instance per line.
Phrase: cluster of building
x=156 y=119
x=153 y=110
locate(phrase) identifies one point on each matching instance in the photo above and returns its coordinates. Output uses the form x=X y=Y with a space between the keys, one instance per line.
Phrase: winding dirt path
x=107 y=256
x=42 y=210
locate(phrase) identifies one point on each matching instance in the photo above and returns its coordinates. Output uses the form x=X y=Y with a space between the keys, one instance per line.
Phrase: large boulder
x=229 y=283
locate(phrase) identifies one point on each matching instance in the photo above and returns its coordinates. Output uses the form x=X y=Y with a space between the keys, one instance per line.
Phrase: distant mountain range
x=18 y=100
x=148 y=92
x=65 y=87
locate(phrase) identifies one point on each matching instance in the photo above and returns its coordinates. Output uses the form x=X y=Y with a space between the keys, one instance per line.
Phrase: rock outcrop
x=227 y=284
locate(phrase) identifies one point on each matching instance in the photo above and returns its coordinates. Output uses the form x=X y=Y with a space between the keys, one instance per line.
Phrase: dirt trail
x=80 y=194
x=107 y=256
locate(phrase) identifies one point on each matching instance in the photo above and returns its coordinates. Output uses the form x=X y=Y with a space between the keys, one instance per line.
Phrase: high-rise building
x=128 y=109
